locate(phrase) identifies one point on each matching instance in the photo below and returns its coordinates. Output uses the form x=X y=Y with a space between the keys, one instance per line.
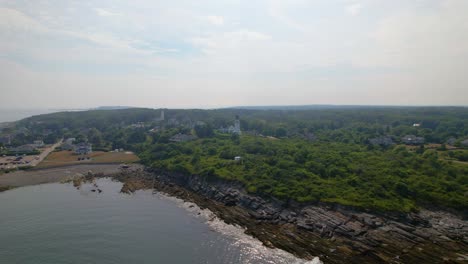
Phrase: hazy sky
x=210 y=53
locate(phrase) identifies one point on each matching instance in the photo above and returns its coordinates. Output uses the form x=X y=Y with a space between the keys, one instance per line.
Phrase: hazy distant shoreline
x=11 y=115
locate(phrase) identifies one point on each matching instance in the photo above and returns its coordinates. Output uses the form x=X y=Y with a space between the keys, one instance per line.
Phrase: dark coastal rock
x=336 y=233
x=231 y=202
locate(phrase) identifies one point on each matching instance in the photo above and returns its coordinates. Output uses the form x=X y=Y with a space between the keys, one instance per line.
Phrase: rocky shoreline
x=336 y=234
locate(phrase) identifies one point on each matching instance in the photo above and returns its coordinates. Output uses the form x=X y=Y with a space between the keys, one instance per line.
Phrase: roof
x=28 y=147
x=182 y=137
x=83 y=144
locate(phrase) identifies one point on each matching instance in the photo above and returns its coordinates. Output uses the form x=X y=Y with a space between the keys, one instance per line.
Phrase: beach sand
x=40 y=176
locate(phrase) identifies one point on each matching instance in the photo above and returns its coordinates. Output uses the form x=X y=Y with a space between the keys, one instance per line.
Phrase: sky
x=217 y=53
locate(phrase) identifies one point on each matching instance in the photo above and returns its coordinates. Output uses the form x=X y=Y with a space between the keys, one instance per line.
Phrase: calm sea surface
x=55 y=223
x=9 y=115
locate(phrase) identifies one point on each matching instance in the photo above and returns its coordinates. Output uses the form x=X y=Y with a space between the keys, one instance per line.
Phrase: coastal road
x=45 y=153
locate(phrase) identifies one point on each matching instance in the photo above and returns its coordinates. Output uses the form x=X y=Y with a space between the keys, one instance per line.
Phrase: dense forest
x=355 y=156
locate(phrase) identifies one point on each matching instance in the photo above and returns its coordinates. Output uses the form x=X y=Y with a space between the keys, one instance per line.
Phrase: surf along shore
x=336 y=234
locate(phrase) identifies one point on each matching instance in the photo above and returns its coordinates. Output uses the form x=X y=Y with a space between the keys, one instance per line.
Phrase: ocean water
x=10 y=115
x=56 y=223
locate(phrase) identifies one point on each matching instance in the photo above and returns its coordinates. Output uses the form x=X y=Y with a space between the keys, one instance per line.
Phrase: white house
x=412 y=140
x=38 y=143
x=182 y=138
x=236 y=129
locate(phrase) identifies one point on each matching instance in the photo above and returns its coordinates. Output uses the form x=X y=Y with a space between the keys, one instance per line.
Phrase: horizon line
x=116 y=107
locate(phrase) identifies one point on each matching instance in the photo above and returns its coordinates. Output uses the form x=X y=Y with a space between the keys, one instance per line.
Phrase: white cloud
x=13 y=21
x=18 y=31
x=423 y=39
x=106 y=13
x=307 y=47
x=215 y=20
x=233 y=39
x=354 y=9
x=276 y=9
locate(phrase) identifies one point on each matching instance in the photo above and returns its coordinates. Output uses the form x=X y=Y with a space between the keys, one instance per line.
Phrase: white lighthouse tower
x=237 y=128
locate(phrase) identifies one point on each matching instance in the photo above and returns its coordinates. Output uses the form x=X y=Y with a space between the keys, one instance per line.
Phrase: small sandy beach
x=40 y=176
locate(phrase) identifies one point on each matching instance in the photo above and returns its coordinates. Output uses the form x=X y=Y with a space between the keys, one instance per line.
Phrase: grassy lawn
x=69 y=158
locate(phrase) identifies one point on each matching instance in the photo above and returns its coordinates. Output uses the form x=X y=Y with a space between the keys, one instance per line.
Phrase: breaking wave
x=251 y=249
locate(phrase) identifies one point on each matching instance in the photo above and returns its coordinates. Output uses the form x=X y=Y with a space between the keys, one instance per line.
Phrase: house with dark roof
x=412 y=140
x=464 y=143
x=83 y=148
x=451 y=141
x=68 y=144
x=381 y=141
x=23 y=149
x=5 y=140
x=182 y=138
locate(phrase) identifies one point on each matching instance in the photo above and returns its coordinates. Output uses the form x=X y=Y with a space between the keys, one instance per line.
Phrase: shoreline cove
x=70 y=225
x=335 y=234
x=315 y=233
x=233 y=231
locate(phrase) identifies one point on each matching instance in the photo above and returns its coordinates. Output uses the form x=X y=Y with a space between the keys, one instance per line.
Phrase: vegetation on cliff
x=388 y=179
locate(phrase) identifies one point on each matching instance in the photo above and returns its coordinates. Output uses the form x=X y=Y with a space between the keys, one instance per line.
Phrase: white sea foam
x=252 y=250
